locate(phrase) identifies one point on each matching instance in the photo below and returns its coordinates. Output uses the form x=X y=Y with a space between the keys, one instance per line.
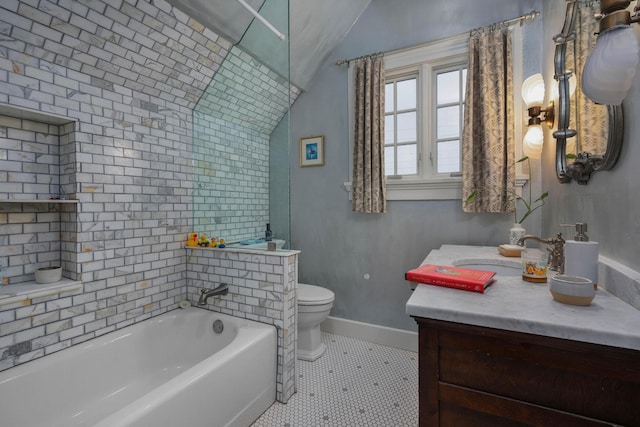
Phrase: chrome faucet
x=223 y=289
x=555 y=248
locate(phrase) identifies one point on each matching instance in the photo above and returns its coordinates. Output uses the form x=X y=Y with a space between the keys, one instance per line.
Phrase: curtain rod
x=530 y=15
x=371 y=55
x=519 y=19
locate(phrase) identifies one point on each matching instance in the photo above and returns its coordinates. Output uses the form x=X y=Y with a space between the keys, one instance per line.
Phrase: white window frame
x=423 y=59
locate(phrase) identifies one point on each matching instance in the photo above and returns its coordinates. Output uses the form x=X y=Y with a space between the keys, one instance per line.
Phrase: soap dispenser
x=581 y=255
x=267 y=234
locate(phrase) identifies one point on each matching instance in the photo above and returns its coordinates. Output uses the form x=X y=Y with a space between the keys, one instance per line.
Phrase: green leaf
x=522 y=159
x=571 y=156
x=472 y=196
x=542 y=197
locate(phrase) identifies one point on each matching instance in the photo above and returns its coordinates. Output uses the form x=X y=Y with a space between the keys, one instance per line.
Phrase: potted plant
x=514 y=199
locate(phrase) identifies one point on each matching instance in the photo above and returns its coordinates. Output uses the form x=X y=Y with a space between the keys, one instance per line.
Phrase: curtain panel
x=590 y=119
x=488 y=148
x=368 y=181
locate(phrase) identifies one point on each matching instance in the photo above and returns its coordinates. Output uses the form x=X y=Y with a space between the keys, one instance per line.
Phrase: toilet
x=314 y=305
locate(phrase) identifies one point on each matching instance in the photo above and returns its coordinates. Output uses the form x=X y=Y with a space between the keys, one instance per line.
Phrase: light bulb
x=533 y=90
x=610 y=68
x=533 y=142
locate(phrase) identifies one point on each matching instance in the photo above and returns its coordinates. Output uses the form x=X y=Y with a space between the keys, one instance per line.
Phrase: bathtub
x=171 y=370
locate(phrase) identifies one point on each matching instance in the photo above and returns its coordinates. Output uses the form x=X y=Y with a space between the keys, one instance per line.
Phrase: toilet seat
x=314 y=295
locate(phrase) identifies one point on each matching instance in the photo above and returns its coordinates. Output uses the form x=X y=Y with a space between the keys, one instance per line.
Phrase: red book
x=452 y=277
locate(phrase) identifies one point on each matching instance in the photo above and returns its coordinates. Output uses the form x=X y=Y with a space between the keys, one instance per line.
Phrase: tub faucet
x=223 y=289
x=555 y=248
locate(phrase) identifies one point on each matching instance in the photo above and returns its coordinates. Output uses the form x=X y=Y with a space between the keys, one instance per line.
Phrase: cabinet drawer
x=594 y=381
x=464 y=407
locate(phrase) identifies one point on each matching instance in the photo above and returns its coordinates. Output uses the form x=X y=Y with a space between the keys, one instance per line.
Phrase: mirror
x=589 y=135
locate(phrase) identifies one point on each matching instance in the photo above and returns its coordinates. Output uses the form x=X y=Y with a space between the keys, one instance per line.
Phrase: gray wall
x=279 y=194
x=610 y=202
x=339 y=248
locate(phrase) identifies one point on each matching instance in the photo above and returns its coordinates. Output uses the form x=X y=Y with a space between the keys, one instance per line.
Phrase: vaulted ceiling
x=316 y=27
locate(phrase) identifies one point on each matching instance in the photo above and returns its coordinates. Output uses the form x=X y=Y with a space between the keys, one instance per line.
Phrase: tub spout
x=223 y=289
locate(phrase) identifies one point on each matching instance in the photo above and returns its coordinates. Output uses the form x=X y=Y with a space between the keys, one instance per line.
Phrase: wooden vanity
x=476 y=376
x=514 y=357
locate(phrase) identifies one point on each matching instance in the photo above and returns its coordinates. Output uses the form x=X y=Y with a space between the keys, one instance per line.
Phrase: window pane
x=406 y=94
x=464 y=83
x=388 y=130
x=449 y=156
x=407 y=130
x=389 y=161
x=448 y=122
x=388 y=98
x=407 y=159
x=448 y=87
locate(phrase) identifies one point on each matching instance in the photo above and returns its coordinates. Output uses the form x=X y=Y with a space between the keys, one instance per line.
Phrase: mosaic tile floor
x=354 y=384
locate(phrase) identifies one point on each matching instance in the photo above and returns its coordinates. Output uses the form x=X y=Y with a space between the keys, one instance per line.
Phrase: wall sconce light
x=533 y=95
x=610 y=68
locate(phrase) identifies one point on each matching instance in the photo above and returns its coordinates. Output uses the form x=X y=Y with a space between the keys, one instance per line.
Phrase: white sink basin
x=501 y=267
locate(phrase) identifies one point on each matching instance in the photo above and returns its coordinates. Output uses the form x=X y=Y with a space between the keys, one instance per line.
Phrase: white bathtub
x=171 y=370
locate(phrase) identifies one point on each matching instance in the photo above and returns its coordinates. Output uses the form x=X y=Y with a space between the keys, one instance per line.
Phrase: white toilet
x=314 y=305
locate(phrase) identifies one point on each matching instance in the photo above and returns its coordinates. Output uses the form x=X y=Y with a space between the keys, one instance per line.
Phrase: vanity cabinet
x=480 y=376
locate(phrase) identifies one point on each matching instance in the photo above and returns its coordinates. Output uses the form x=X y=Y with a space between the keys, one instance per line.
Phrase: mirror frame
x=585 y=163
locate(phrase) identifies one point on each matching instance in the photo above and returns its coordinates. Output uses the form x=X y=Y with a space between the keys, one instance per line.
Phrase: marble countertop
x=515 y=305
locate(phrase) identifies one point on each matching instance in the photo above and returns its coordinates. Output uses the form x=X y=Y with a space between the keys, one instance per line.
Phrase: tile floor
x=354 y=384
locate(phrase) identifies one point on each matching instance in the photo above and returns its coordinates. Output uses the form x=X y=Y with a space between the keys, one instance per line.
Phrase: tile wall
x=32 y=155
x=262 y=287
x=233 y=122
x=129 y=73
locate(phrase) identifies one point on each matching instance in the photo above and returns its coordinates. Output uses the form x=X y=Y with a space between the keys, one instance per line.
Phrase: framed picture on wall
x=312 y=151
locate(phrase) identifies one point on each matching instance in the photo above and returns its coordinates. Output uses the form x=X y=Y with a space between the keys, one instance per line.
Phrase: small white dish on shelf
x=46 y=275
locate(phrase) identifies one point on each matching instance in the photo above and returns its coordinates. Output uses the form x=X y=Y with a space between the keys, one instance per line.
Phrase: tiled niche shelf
x=36 y=116
x=50 y=201
x=43 y=147
x=18 y=293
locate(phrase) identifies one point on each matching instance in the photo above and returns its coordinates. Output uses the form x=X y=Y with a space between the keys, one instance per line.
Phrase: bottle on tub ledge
x=581 y=255
x=268 y=235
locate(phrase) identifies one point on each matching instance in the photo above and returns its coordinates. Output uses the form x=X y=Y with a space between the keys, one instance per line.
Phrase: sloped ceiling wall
x=316 y=27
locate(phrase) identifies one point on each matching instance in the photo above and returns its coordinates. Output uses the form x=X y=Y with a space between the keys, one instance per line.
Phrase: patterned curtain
x=592 y=119
x=368 y=182
x=488 y=149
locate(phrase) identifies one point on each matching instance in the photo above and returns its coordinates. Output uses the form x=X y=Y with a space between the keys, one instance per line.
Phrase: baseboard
x=390 y=337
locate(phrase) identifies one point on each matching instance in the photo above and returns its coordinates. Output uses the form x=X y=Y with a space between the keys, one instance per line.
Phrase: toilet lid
x=310 y=294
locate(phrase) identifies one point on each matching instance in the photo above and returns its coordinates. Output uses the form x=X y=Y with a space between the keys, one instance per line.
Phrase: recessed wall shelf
x=34 y=115
x=11 y=294
x=30 y=201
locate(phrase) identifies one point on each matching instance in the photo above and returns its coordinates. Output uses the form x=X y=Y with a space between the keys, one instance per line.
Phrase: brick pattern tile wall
x=247 y=93
x=34 y=235
x=129 y=72
x=29 y=159
x=231 y=179
x=233 y=122
x=262 y=287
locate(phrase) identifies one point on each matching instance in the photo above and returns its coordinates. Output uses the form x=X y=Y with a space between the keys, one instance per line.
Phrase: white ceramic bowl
x=572 y=290
x=48 y=275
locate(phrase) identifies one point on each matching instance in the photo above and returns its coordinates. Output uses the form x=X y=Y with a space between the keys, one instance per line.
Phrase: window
x=424 y=104
x=424 y=107
x=449 y=86
x=401 y=126
x=405 y=144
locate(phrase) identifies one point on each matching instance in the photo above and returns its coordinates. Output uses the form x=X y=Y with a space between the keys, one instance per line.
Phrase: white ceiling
x=316 y=27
